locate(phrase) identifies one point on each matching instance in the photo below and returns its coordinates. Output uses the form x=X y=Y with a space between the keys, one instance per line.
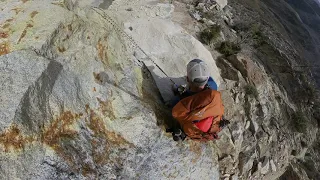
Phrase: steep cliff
x=78 y=103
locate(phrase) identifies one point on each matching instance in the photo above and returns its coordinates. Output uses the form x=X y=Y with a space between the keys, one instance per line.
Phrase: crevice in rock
x=254 y=167
x=231 y=136
x=46 y=49
x=70 y=4
x=227 y=71
x=222 y=157
x=264 y=130
x=294 y=152
x=303 y=144
x=289 y=174
x=237 y=64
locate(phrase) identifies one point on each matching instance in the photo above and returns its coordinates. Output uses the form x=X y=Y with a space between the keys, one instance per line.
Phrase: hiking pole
x=122 y=32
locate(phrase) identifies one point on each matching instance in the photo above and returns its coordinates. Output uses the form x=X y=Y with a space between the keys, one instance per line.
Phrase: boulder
x=77 y=102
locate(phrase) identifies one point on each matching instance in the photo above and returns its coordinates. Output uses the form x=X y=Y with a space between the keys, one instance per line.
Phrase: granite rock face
x=77 y=101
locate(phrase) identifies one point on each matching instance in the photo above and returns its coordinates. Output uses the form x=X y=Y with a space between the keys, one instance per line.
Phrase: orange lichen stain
x=60 y=129
x=24 y=32
x=106 y=108
x=86 y=170
x=17 y=10
x=102 y=53
x=3 y=35
x=12 y=139
x=33 y=14
x=4 y=48
x=100 y=48
x=104 y=141
x=61 y=49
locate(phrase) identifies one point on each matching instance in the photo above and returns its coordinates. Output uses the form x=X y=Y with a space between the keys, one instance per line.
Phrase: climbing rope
x=122 y=32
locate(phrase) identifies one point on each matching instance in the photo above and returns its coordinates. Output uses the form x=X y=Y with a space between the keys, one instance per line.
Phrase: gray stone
x=264 y=166
x=80 y=104
x=273 y=166
x=77 y=101
x=246 y=160
x=234 y=177
x=222 y=3
x=254 y=126
x=196 y=15
x=19 y=71
x=210 y=23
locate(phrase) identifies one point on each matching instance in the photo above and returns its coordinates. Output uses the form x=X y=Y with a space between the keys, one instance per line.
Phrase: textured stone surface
x=77 y=102
x=222 y=3
x=19 y=71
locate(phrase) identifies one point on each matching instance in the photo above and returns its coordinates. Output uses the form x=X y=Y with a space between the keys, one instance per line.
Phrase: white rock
x=222 y=3
x=264 y=166
x=247 y=125
x=196 y=15
x=234 y=177
x=211 y=23
x=254 y=125
x=273 y=166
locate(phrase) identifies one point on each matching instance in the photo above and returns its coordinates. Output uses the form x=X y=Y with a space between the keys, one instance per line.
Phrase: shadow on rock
x=151 y=95
x=157 y=91
x=34 y=107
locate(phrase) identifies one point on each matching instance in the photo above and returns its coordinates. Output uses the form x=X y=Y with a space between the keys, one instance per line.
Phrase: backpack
x=205 y=105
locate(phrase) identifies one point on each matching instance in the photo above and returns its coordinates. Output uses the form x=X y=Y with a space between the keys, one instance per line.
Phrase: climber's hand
x=179 y=89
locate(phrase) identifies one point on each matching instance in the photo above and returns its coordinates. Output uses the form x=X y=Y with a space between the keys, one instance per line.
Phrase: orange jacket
x=199 y=106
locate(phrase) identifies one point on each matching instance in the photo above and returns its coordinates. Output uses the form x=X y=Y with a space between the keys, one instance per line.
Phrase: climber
x=198 y=108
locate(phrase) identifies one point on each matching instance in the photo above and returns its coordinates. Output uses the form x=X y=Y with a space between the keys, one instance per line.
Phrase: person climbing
x=198 y=107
